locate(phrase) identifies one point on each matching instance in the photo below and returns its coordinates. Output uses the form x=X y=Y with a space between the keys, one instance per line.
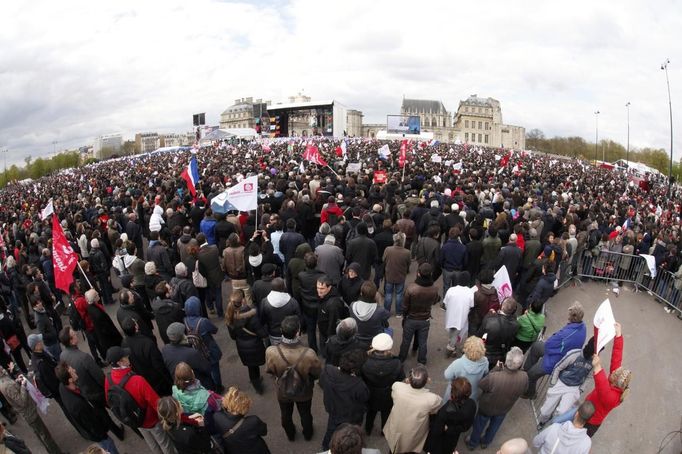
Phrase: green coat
x=530 y=325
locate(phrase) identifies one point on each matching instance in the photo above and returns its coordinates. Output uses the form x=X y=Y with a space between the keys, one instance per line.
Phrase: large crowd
x=327 y=254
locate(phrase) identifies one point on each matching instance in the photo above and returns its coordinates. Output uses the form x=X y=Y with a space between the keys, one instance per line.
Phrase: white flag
x=243 y=195
x=301 y=168
x=502 y=283
x=48 y=210
x=605 y=322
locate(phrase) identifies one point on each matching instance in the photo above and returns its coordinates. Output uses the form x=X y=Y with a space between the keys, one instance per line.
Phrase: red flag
x=403 y=154
x=505 y=160
x=312 y=154
x=339 y=152
x=64 y=260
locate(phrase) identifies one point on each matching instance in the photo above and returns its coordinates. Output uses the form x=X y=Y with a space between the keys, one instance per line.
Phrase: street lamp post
x=4 y=153
x=664 y=67
x=54 y=148
x=627 y=152
x=596 y=136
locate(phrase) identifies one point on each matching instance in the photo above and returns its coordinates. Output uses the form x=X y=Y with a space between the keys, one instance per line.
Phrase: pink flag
x=312 y=154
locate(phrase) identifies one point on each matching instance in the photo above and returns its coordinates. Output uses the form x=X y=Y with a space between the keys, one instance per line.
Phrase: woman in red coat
x=609 y=392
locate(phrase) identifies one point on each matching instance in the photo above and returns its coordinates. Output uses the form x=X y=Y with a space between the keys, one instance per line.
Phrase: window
x=466 y=123
x=480 y=137
x=434 y=123
x=486 y=138
x=466 y=136
x=487 y=126
x=480 y=125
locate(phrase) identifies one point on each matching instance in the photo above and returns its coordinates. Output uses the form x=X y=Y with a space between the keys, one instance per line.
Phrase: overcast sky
x=70 y=71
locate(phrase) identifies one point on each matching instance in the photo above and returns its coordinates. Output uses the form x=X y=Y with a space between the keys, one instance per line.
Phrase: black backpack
x=196 y=341
x=291 y=385
x=122 y=404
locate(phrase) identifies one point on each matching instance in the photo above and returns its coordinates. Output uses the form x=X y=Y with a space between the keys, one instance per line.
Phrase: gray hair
x=514 y=359
x=576 y=313
x=91 y=296
x=399 y=239
x=347 y=328
x=330 y=239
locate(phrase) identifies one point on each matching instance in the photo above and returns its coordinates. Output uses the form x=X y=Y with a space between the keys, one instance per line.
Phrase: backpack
x=75 y=319
x=122 y=404
x=196 y=341
x=291 y=385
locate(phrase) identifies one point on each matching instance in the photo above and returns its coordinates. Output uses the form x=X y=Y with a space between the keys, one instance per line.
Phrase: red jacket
x=605 y=396
x=332 y=208
x=141 y=391
x=82 y=308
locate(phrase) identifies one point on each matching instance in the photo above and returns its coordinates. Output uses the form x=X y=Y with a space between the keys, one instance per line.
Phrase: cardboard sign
x=380 y=177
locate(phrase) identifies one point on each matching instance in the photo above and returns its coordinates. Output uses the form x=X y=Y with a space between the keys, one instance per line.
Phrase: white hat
x=94 y=243
x=382 y=342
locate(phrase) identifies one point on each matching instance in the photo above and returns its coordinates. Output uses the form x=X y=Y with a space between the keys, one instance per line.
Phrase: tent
x=223 y=134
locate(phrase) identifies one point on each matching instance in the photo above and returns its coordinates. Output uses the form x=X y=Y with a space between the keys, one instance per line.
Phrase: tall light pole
x=664 y=67
x=54 y=148
x=627 y=153
x=596 y=136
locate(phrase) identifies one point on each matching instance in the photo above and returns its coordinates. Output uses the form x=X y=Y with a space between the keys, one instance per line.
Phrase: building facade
x=478 y=121
x=146 y=142
x=354 y=123
x=107 y=145
x=173 y=140
x=433 y=115
x=243 y=113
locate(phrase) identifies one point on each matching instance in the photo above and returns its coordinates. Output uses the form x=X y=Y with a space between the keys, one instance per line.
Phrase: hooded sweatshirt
x=194 y=398
x=567 y=438
x=371 y=319
x=473 y=371
x=276 y=306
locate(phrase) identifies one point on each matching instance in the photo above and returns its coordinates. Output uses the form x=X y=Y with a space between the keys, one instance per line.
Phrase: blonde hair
x=184 y=376
x=236 y=401
x=474 y=348
x=234 y=306
x=620 y=378
x=168 y=408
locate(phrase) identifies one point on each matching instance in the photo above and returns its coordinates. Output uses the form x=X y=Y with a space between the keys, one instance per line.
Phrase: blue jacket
x=207 y=227
x=453 y=256
x=206 y=328
x=567 y=338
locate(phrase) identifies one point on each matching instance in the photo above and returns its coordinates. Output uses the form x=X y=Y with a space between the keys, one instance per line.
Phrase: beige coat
x=408 y=423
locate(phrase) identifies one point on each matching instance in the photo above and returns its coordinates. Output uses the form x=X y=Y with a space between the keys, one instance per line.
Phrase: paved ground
x=652 y=339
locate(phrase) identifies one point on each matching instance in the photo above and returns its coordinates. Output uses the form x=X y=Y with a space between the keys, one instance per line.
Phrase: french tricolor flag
x=191 y=175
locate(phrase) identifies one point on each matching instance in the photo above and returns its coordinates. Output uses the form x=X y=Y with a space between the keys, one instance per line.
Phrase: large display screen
x=403 y=124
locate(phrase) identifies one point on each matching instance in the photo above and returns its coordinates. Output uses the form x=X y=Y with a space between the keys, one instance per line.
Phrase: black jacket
x=337 y=347
x=91 y=423
x=273 y=310
x=223 y=229
x=142 y=316
x=248 y=333
x=331 y=310
x=350 y=289
x=158 y=254
x=44 y=364
x=309 y=299
x=183 y=288
x=98 y=262
x=261 y=288
x=345 y=395
x=147 y=361
x=105 y=331
x=501 y=331
x=165 y=313
x=190 y=439
x=364 y=251
x=379 y=373
x=247 y=439
x=46 y=327
x=174 y=354
x=450 y=421
x=209 y=265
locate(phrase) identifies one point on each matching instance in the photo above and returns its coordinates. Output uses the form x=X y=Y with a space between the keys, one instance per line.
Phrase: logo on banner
x=248 y=187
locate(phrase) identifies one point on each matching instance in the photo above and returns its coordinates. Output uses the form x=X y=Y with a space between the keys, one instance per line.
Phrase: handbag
x=197 y=278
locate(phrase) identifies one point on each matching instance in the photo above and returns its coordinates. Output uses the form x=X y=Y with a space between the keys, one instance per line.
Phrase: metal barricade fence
x=663 y=288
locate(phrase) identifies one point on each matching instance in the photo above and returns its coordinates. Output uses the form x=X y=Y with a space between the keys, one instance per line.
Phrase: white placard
x=605 y=322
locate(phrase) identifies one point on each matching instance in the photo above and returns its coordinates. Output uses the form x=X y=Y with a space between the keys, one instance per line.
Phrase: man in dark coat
x=134 y=232
x=380 y=371
x=92 y=423
x=209 y=267
x=474 y=252
x=344 y=340
x=132 y=306
x=275 y=307
x=345 y=394
x=145 y=358
x=500 y=330
x=179 y=351
x=166 y=311
x=99 y=265
x=510 y=256
x=362 y=250
x=158 y=253
x=309 y=298
x=290 y=240
x=261 y=288
x=330 y=311
x=106 y=333
x=43 y=365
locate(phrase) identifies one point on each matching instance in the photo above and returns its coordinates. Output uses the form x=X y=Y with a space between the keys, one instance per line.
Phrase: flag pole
x=256 y=207
x=84 y=275
x=337 y=175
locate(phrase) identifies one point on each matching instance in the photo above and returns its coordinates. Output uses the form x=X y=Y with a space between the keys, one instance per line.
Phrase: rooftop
x=422 y=105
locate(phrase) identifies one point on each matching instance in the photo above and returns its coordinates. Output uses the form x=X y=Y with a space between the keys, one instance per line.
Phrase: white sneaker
x=399 y=317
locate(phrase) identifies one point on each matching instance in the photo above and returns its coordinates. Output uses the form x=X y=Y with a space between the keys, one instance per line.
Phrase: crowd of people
x=326 y=256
